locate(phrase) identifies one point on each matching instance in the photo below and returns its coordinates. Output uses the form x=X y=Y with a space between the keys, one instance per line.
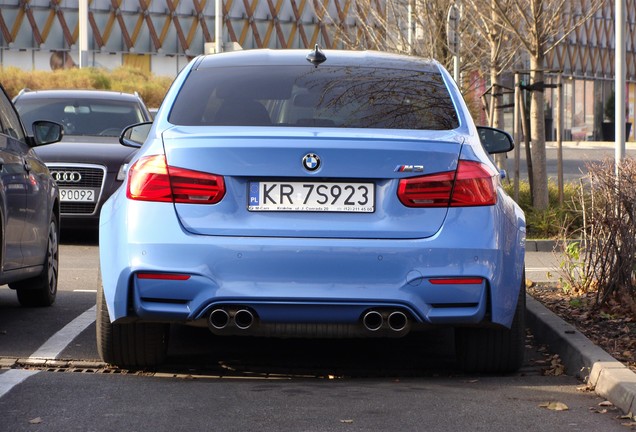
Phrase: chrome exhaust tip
x=397 y=321
x=372 y=320
x=243 y=319
x=219 y=319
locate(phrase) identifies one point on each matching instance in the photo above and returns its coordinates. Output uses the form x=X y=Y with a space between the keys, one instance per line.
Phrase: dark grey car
x=88 y=164
x=29 y=209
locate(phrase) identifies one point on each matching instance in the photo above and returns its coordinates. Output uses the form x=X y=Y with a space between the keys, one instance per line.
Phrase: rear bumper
x=308 y=280
x=342 y=303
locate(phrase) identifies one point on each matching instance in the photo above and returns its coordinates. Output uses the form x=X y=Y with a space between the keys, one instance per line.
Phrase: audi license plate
x=77 y=195
x=312 y=197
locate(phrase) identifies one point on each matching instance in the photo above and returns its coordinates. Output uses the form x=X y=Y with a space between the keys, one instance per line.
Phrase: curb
x=609 y=377
x=541 y=245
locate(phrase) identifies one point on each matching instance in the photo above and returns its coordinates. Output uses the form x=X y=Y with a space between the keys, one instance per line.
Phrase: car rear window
x=81 y=116
x=341 y=97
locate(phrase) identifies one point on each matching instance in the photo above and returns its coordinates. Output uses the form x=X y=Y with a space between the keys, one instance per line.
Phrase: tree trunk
x=497 y=118
x=497 y=113
x=537 y=133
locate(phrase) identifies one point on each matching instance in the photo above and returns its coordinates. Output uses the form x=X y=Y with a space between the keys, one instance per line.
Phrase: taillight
x=151 y=179
x=472 y=184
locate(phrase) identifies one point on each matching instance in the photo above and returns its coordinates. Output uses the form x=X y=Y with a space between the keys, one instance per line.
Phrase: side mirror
x=495 y=140
x=46 y=132
x=135 y=135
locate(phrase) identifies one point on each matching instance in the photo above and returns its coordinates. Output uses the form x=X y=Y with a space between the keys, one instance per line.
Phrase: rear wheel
x=131 y=344
x=497 y=350
x=41 y=290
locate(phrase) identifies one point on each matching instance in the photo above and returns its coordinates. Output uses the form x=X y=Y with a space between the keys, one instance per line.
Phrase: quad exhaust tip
x=222 y=318
x=397 y=321
x=374 y=320
x=243 y=319
x=219 y=319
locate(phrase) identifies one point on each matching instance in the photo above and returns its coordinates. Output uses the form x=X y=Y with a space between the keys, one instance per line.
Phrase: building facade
x=161 y=36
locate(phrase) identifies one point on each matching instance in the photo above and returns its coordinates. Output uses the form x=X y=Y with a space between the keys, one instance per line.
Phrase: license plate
x=312 y=197
x=77 y=195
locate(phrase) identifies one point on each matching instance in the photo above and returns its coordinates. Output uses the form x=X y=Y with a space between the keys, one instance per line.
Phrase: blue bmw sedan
x=329 y=194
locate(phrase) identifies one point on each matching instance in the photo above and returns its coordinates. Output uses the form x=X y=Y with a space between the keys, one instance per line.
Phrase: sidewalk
x=629 y=145
x=609 y=377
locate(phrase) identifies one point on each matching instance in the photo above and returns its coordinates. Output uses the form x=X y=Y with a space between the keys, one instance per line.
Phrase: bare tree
x=416 y=27
x=492 y=29
x=539 y=26
x=481 y=16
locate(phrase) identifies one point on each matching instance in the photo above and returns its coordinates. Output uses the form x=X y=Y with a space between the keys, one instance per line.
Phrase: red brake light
x=472 y=184
x=151 y=179
x=475 y=185
x=426 y=191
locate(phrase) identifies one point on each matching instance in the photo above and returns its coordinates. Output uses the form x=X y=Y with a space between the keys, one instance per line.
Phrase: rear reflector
x=457 y=281
x=151 y=179
x=472 y=184
x=163 y=276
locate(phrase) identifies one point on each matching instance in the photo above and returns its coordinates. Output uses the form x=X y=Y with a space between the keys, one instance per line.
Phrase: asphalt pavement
x=609 y=377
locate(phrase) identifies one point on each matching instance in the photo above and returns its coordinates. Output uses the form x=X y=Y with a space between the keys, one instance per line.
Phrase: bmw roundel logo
x=311 y=162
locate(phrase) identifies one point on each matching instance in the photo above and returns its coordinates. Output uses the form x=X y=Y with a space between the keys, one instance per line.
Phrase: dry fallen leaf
x=36 y=420
x=348 y=421
x=556 y=367
x=554 y=406
x=606 y=404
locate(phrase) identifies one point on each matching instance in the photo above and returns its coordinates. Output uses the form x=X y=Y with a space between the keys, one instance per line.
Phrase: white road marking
x=12 y=378
x=49 y=350
x=54 y=346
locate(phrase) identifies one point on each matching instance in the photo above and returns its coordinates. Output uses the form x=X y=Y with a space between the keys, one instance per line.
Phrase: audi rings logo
x=66 y=176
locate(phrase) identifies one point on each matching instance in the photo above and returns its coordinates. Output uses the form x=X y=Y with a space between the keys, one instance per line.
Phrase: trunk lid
x=272 y=158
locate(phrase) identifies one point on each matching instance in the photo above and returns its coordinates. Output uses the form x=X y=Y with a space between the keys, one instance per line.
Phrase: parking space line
x=49 y=350
x=54 y=346
x=12 y=378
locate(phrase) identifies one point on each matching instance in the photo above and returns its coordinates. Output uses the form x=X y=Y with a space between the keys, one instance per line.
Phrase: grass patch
x=550 y=223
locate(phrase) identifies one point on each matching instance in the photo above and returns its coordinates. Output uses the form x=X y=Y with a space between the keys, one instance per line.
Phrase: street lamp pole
x=620 y=49
x=218 y=26
x=453 y=39
x=83 y=33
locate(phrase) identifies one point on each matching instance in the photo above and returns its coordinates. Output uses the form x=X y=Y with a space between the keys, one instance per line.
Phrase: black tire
x=130 y=345
x=494 y=350
x=41 y=290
